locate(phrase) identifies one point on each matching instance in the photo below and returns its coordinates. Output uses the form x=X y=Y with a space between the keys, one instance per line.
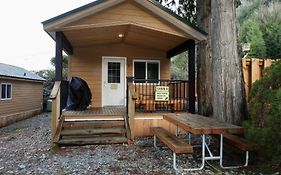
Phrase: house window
x=146 y=70
x=6 y=91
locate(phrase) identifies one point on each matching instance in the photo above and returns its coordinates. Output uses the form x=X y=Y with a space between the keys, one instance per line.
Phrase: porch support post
x=191 y=76
x=58 y=58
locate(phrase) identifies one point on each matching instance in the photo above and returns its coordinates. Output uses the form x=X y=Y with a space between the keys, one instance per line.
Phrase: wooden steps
x=94 y=130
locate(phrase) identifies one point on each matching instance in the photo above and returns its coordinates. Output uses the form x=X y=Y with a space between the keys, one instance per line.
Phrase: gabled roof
x=151 y=5
x=73 y=11
x=10 y=71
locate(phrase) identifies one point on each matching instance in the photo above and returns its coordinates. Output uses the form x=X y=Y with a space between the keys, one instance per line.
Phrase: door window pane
x=113 y=72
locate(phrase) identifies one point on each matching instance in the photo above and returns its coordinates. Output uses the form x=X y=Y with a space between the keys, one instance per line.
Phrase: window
x=6 y=91
x=113 y=72
x=149 y=70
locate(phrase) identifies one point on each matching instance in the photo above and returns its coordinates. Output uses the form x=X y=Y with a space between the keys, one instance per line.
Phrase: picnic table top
x=197 y=124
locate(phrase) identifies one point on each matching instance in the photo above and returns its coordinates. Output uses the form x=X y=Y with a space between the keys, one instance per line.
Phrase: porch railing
x=147 y=95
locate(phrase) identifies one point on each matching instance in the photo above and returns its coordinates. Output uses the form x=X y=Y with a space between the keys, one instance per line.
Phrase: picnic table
x=200 y=125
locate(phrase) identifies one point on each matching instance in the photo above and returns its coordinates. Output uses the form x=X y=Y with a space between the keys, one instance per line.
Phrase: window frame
x=1 y=98
x=146 y=61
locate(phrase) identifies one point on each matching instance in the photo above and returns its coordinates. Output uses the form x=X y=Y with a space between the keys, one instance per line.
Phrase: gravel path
x=25 y=148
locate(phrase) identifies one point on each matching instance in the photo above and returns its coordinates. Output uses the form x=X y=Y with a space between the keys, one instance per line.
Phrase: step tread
x=93 y=140
x=93 y=131
x=92 y=124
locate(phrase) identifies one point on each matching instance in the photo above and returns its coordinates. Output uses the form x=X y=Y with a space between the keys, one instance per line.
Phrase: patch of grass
x=61 y=172
x=15 y=128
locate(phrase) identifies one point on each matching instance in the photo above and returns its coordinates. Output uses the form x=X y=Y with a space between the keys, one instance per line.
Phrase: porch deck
x=112 y=111
x=103 y=113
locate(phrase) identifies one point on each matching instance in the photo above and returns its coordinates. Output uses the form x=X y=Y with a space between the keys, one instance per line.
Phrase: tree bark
x=228 y=86
x=204 y=60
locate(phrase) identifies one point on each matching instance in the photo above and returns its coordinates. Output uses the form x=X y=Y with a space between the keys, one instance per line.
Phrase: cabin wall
x=27 y=100
x=87 y=64
x=129 y=12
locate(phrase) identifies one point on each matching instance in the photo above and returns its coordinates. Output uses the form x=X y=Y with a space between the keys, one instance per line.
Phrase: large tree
x=220 y=84
x=228 y=86
x=204 y=60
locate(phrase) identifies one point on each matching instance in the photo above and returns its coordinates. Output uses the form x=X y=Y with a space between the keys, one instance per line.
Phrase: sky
x=23 y=42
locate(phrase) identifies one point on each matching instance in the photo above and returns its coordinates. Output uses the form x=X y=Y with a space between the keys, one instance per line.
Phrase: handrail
x=55 y=90
x=131 y=110
x=56 y=111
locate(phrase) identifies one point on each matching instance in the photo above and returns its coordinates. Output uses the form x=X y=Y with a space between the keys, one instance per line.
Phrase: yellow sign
x=162 y=93
x=114 y=86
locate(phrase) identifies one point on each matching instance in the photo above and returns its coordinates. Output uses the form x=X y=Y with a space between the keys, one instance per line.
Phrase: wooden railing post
x=56 y=111
x=131 y=110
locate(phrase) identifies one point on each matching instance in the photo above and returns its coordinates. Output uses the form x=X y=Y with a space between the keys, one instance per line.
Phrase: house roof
x=170 y=15
x=10 y=71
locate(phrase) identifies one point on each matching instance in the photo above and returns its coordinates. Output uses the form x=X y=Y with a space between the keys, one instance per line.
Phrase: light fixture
x=120 y=35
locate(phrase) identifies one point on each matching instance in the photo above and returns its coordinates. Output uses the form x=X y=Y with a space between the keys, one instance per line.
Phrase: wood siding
x=129 y=12
x=26 y=96
x=144 y=122
x=87 y=64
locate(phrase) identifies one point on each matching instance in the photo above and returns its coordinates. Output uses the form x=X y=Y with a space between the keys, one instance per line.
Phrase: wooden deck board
x=197 y=124
x=99 y=111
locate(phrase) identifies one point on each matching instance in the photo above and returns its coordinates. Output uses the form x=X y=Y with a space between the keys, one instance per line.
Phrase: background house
x=21 y=94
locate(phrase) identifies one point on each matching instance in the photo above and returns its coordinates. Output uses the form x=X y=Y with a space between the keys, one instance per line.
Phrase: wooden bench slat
x=240 y=142
x=176 y=144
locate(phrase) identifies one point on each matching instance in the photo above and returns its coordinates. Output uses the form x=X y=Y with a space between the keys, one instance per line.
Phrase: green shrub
x=264 y=127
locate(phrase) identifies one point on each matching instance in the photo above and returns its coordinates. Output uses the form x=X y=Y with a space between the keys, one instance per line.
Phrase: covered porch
x=108 y=41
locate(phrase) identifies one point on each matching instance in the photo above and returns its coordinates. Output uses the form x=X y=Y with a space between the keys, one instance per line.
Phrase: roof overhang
x=21 y=79
x=128 y=33
x=59 y=23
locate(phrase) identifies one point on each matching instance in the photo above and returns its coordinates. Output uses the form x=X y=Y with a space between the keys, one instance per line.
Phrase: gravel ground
x=25 y=148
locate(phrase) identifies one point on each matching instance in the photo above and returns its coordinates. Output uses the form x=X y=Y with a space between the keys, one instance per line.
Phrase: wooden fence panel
x=253 y=70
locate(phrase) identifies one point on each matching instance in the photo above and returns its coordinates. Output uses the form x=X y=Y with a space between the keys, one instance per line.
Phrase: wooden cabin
x=21 y=94
x=122 y=49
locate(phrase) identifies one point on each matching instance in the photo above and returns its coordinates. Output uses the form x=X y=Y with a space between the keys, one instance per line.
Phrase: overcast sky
x=23 y=42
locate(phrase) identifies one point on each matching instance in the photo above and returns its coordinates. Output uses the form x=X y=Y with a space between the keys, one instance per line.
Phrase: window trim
x=147 y=61
x=6 y=91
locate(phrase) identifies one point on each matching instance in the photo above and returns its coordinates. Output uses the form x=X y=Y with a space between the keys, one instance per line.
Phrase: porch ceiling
x=131 y=34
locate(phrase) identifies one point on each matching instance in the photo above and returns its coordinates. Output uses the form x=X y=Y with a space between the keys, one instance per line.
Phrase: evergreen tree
x=272 y=39
x=251 y=33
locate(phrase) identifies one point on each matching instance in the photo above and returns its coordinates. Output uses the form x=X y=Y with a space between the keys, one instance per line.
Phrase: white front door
x=113 y=81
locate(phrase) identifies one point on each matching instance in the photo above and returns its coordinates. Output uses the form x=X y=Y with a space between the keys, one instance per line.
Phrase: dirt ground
x=25 y=148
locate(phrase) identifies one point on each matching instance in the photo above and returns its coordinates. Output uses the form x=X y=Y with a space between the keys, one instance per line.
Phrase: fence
x=253 y=70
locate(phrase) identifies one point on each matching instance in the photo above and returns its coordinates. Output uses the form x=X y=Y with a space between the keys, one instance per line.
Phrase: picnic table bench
x=174 y=143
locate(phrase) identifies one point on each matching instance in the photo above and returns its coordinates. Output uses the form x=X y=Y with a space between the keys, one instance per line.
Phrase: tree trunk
x=228 y=89
x=204 y=60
